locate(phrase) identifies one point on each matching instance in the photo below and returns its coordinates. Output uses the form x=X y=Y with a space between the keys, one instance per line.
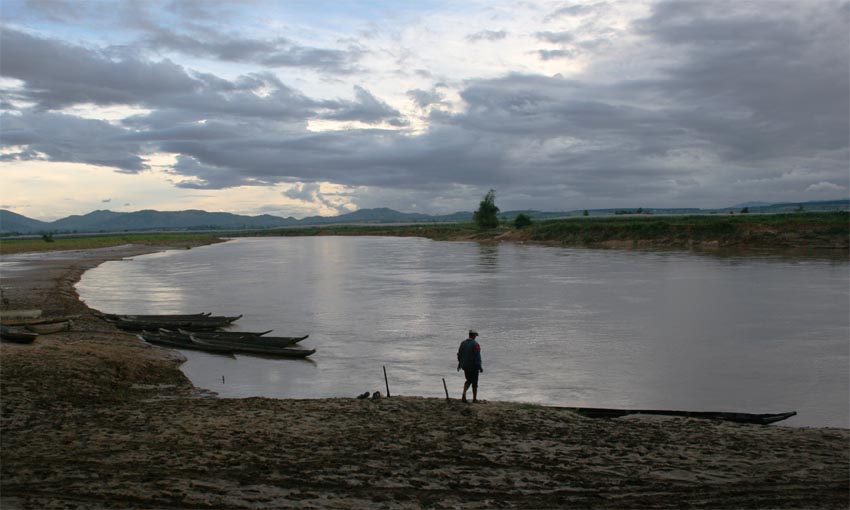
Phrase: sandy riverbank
x=94 y=418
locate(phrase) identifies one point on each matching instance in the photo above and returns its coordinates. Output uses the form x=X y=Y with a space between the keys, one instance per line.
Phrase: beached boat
x=243 y=347
x=41 y=320
x=260 y=341
x=763 y=419
x=202 y=323
x=227 y=334
x=181 y=341
x=17 y=335
x=176 y=342
x=19 y=314
x=178 y=317
x=53 y=327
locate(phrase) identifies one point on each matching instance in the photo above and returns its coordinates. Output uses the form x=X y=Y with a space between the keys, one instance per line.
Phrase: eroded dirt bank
x=94 y=418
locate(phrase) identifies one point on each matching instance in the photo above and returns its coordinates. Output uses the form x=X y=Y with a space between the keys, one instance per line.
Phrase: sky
x=298 y=108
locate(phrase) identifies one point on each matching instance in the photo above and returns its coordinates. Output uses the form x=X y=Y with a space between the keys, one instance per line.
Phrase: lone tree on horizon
x=485 y=216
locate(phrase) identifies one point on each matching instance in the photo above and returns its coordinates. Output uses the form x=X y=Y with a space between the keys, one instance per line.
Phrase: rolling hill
x=110 y=221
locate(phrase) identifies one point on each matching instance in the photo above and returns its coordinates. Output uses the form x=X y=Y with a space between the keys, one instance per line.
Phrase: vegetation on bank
x=57 y=243
x=793 y=230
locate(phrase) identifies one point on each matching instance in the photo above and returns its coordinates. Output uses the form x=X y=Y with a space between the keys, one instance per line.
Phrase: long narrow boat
x=166 y=317
x=117 y=316
x=258 y=341
x=180 y=341
x=212 y=322
x=255 y=349
x=53 y=327
x=226 y=334
x=17 y=335
x=20 y=314
x=763 y=419
x=42 y=320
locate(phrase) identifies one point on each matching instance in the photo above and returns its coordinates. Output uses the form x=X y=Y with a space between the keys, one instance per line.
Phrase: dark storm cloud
x=59 y=75
x=365 y=108
x=425 y=98
x=209 y=176
x=277 y=52
x=60 y=137
x=758 y=84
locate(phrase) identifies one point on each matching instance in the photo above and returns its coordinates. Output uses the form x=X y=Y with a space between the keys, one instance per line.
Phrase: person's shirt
x=469 y=355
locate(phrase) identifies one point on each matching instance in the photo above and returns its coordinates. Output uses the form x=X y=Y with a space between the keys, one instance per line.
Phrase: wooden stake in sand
x=386 y=381
x=446 y=388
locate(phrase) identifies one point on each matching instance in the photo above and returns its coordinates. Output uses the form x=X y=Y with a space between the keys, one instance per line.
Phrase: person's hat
x=472 y=332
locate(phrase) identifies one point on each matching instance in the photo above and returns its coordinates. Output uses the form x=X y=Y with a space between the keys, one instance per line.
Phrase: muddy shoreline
x=95 y=418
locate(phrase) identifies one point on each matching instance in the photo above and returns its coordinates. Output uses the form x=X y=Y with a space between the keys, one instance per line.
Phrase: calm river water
x=569 y=327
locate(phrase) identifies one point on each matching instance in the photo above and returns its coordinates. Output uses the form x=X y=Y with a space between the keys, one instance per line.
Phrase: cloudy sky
x=327 y=106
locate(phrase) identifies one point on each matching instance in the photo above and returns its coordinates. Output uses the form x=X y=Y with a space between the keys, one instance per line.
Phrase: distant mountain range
x=109 y=221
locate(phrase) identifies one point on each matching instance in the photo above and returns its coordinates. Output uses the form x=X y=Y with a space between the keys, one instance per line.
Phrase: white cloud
x=824 y=187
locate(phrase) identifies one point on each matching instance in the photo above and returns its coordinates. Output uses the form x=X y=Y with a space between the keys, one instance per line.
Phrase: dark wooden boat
x=190 y=316
x=239 y=347
x=181 y=341
x=17 y=335
x=762 y=419
x=40 y=321
x=177 y=342
x=53 y=327
x=227 y=334
x=203 y=323
x=166 y=340
x=19 y=314
x=259 y=341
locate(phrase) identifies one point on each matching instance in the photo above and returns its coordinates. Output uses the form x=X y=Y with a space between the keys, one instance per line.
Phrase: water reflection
x=488 y=258
x=558 y=326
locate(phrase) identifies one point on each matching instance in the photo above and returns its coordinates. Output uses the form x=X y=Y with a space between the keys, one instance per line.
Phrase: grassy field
x=10 y=246
x=810 y=230
x=806 y=230
x=794 y=230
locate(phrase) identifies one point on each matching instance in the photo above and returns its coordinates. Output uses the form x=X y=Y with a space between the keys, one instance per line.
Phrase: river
x=558 y=326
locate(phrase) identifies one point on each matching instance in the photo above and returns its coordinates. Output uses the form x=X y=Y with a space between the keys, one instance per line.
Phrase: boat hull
x=761 y=419
x=17 y=335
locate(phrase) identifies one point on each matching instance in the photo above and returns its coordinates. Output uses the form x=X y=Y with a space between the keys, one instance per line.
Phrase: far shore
x=816 y=234
x=94 y=418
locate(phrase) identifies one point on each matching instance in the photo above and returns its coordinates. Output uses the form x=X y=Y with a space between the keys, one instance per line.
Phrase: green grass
x=774 y=229
x=796 y=230
x=815 y=229
x=437 y=231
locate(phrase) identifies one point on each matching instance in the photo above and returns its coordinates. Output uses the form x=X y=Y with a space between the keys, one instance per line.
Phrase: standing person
x=469 y=359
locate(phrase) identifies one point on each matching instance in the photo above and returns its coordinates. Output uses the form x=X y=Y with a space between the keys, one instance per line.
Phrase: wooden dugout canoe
x=17 y=335
x=762 y=419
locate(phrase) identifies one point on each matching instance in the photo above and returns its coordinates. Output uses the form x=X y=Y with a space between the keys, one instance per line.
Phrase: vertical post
x=386 y=381
x=446 y=388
